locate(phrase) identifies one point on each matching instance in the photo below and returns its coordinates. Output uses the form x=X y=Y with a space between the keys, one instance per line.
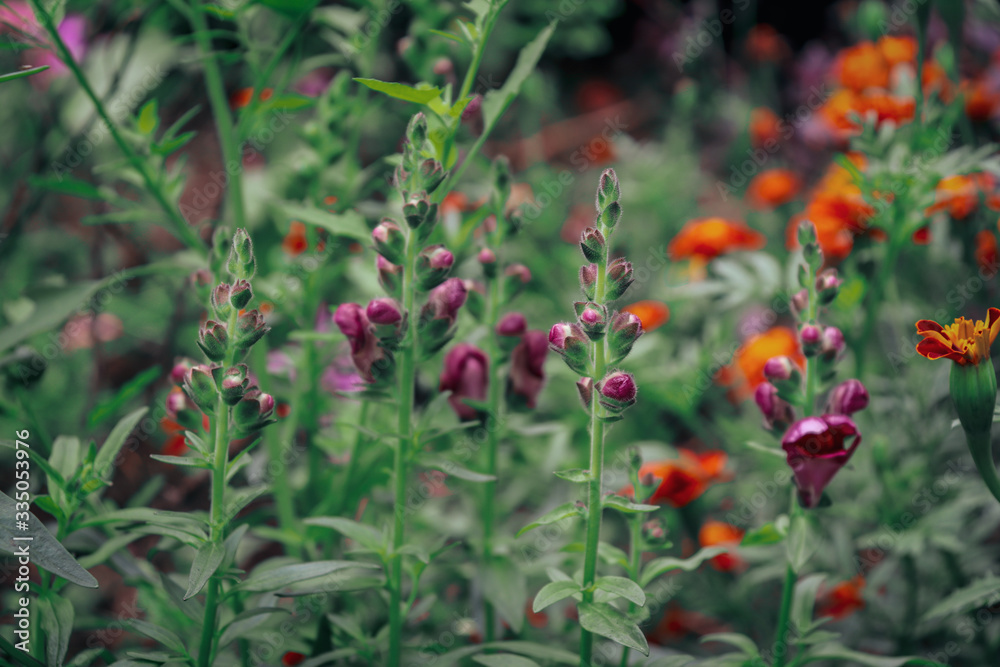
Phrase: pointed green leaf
x=401 y=91
x=57 y=622
x=108 y=452
x=167 y=638
x=438 y=462
x=658 y=566
x=576 y=475
x=627 y=506
x=607 y=621
x=623 y=588
x=505 y=586
x=769 y=533
x=742 y=642
x=504 y=660
x=361 y=533
x=976 y=594
x=564 y=511
x=837 y=652
x=553 y=592
x=803 y=600
x=279 y=577
x=348 y=223
x=4 y=78
x=206 y=562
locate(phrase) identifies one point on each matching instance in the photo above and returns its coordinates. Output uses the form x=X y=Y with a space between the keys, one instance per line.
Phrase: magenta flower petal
x=815 y=449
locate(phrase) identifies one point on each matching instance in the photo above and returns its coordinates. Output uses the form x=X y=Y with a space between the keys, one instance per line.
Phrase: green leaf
x=4 y=78
x=803 y=600
x=290 y=8
x=658 y=566
x=769 y=533
x=802 y=543
x=504 y=660
x=108 y=452
x=447 y=35
x=742 y=642
x=773 y=451
x=51 y=308
x=835 y=651
x=496 y=101
x=564 y=511
x=531 y=649
x=206 y=562
x=105 y=409
x=438 y=462
x=46 y=552
x=623 y=588
x=604 y=620
x=148 y=117
x=57 y=622
x=166 y=637
x=187 y=461
x=279 y=577
x=576 y=475
x=976 y=594
x=401 y=91
x=246 y=622
x=67 y=185
x=553 y=592
x=349 y=223
x=626 y=506
x=506 y=588
x=361 y=533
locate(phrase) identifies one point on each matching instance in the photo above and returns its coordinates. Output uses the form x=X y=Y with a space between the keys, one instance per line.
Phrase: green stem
x=635 y=558
x=780 y=649
x=812 y=377
x=182 y=229
x=407 y=374
x=352 y=463
x=596 y=469
x=232 y=160
x=980 y=446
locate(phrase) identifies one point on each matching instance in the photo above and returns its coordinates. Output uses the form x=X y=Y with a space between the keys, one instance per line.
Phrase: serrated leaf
x=279 y=577
x=553 y=592
x=604 y=620
x=361 y=533
x=57 y=622
x=564 y=511
x=658 y=566
x=162 y=635
x=46 y=551
x=576 y=475
x=626 y=506
x=206 y=562
x=401 y=91
x=977 y=594
x=108 y=452
x=622 y=587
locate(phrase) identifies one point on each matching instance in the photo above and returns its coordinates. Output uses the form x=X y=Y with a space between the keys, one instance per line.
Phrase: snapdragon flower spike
x=516 y=276
x=816 y=449
x=625 y=329
x=433 y=266
x=619 y=278
x=390 y=276
x=240 y=295
x=438 y=315
x=592 y=244
x=616 y=391
x=466 y=376
x=241 y=262
x=366 y=353
x=570 y=342
x=811 y=339
x=250 y=328
x=777 y=412
x=200 y=386
x=592 y=318
x=846 y=398
x=828 y=286
x=588 y=280
x=527 y=370
x=213 y=340
x=220 y=300
x=389 y=241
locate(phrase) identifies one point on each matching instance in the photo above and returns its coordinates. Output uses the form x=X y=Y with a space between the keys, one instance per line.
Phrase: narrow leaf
x=553 y=592
x=206 y=562
x=108 y=452
x=401 y=91
x=564 y=511
x=622 y=587
x=279 y=577
x=604 y=620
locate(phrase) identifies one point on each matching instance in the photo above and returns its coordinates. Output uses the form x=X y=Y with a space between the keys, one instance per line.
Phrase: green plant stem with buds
x=220 y=461
x=407 y=375
x=596 y=466
x=180 y=227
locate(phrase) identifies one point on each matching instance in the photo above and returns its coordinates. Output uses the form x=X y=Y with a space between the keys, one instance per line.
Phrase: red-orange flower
x=897 y=50
x=684 y=479
x=707 y=238
x=841 y=600
x=748 y=362
x=960 y=194
x=964 y=341
x=986 y=250
x=721 y=534
x=244 y=96
x=772 y=188
x=980 y=99
x=765 y=126
x=295 y=242
x=862 y=66
x=652 y=314
x=765 y=44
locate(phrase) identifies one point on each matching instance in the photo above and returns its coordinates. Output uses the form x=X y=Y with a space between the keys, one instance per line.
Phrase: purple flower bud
x=220 y=300
x=389 y=241
x=625 y=329
x=592 y=244
x=777 y=412
x=433 y=266
x=815 y=449
x=517 y=276
x=585 y=387
x=466 y=376
x=213 y=339
x=848 y=397
x=266 y=404
x=512 y=325
x=570 y=342
x=588 y=280
x=780 y=369
x=445 y=300
x=832 y=344
x=253 y=410
x=200 y=387
x=592 y=319
x=472 y=109
x=176 y=401
x=811 y=337
x=617 y=391
x=241 y=294
x=619 y=278
x=527 y=369
x=384 y=311
x=250 y=328
x=828 y=285
x=486 y=256
x=390 y=276
x=800 y=302
x=353 y=322
x=179 y=371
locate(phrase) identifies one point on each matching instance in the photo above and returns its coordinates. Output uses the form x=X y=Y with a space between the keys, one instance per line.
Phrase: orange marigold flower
x=295 y=242
x=986 y=250
x=964 y=341
x=898 y=50
x=893 y=108
x=772 y=188
x=721 y=534
x=960 y=194
x=751 y=356
x=765 y=44
x=934 y=79
x=765 y=127
x=841 y=600
x=707 y=238
x=652 y=314
x=684 y=479
x=862 y=66
x=980 y=100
